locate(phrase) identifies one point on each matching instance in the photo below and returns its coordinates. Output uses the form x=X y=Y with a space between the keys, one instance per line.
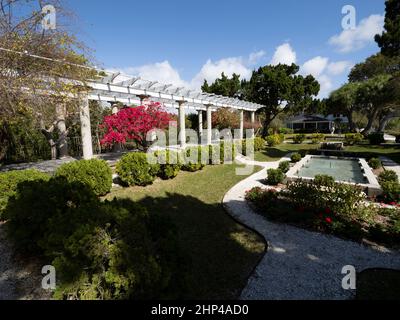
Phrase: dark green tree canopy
x=281 y=89
x=389 y=41
x=227 y=87
x=375 y=65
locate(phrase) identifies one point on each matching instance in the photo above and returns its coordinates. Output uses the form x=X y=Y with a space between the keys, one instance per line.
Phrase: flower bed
x=329 y=207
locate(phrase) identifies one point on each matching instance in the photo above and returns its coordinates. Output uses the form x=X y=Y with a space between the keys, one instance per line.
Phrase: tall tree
x=34 y=86
x=389 y=40
x=281 y=90
x=224 y=86
x=344 y=101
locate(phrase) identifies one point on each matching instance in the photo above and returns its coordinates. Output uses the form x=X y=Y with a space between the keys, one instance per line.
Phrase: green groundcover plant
x=101 y=250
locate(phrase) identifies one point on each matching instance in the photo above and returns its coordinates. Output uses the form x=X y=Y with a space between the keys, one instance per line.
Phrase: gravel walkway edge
x=299 y=264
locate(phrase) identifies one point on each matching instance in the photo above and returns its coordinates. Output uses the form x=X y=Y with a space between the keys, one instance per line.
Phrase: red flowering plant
x=133 y=124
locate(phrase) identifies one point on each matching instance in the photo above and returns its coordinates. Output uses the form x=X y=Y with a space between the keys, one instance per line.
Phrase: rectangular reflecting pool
x=355 y=171
x=341 y=169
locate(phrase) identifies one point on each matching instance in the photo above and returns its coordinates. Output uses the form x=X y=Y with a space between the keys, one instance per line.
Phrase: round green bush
x=194 y=160
x=375 y=163
x=134 y=169
x=170 y=164
x=10 y=181
x=274 y=140
x=391 y=191
x=317 y=138
x=275 y=176
x=388 y=176
x=259 y=144
x=324 y=180
x=94 y=173
x=284 y=166
x=299 y=138
x=353 y=138
x=296 y=157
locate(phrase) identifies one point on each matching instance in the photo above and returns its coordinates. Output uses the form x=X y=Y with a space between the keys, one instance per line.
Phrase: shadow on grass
x=222 y=254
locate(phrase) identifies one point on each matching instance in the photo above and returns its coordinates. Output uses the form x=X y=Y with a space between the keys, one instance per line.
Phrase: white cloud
x=255 y=57
x=284 y=54
x=212 y=70
x=338 y=68
x=358 y=38
x=162 y=72
x=315 y=66
x=326 y=85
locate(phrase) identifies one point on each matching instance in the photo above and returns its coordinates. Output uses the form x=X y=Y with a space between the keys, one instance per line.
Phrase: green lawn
x=222 y=253
x=276 y=153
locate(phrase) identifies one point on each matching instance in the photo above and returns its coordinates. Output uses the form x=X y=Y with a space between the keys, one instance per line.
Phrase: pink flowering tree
x=133 y=124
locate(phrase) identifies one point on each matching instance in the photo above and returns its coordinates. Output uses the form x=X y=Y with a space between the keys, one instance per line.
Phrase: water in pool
x=340 y=169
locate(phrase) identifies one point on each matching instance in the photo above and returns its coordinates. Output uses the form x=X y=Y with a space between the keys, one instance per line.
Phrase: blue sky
x=184 y=41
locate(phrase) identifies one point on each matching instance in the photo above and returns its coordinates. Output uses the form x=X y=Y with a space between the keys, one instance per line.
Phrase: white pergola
x=116 y=87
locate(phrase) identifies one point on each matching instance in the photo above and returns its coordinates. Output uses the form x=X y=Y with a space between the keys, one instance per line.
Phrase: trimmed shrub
x=284 y=166
x=388 y=176
x=341 y=199
x=286 y=131
x=259 y=144
x=228 y=151
x=324 y=180
x=9 y=182
x=391 y=191
x=170 y=164
x=94 y=173
x=375 y=163
x=194 y=160
x=135 y=170
x=214 y=154
x=273 y=140
x=299 y=138
x=376 y=138
x=101 y=250
x=317 y=138
x=275 y=176
x=353 y=138
x=296 y=157
x=263 y=199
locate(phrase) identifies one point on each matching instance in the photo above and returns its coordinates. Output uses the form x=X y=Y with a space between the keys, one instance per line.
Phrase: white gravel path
x=19 y=280
x=300 y=264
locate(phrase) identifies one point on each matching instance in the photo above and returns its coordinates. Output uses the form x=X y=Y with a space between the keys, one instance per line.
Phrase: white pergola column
x=253 y=122
x=200 y=112
x=86 y=132
x=241 y=135
x=209 y=125
x=182 y=125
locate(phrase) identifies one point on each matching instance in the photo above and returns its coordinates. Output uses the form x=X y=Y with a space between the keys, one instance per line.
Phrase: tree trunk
x=352 y=125
x=371 y=120
x=62 y=131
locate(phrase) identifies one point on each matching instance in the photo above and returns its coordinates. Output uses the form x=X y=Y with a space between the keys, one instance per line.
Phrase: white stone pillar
x=209 y=125
x=253 y=122
x=200 y=125
x=182 y=125
x=86 y=131
x=241 y=136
